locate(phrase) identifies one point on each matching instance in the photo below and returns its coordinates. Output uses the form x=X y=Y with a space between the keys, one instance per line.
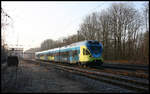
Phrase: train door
x=70 y=56
x=75 y=56
x=46 y=57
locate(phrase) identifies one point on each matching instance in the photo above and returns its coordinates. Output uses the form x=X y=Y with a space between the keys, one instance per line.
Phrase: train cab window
x=93 y=42
x=85 y=52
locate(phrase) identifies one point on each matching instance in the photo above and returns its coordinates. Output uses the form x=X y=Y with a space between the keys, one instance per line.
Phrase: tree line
x=122 y=29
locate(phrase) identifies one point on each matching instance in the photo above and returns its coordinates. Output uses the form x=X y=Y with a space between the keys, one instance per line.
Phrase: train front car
x=93 y=53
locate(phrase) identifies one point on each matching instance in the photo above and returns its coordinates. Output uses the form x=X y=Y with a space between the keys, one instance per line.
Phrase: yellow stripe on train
x=42 y=57
x=50 y=58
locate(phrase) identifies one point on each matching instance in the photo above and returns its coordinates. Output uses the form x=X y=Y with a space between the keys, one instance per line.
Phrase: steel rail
x=101 y=76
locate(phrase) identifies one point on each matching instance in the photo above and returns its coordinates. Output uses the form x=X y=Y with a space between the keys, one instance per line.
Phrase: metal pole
x=78 y=34
x=59 y=52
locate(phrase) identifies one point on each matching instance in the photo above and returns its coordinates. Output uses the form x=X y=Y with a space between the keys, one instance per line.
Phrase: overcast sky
x=33 y=22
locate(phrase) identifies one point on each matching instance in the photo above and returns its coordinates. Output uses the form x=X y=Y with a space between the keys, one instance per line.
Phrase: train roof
x=73 y=45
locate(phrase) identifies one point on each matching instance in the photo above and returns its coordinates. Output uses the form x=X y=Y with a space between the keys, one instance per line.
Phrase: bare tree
x=89 y=27
x=146 y=15
x=117 y=27
x=48 y=44
x=125 y=22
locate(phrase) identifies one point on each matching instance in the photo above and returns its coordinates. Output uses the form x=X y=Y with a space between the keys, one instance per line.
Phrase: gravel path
x=34 y=78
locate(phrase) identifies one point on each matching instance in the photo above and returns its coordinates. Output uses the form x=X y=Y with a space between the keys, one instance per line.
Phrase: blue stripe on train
x=69 y=59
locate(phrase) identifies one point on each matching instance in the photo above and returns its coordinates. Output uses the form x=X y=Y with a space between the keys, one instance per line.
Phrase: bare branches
x=117 y=27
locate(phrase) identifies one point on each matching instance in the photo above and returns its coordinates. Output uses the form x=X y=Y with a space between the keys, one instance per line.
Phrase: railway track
x=137 y=85
x=128 y=67
x=125 y=67
x=111 y=68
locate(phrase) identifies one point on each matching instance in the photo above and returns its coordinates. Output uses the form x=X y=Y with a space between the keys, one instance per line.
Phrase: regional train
x=88 y=52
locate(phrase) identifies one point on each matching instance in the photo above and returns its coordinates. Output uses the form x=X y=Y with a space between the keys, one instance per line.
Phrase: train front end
x=92 y=53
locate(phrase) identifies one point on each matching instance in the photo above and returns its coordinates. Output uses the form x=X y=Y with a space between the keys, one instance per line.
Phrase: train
x=88 y=52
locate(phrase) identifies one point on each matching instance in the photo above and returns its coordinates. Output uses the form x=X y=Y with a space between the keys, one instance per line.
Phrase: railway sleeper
x=110 y=81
